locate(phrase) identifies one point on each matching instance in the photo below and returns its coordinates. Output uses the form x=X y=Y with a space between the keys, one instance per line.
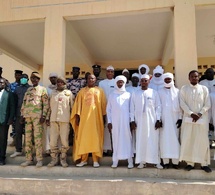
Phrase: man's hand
x=157 y=125
x=104 y=119
x=48 y=122
x=77 y=119
x=42 y=119
x=110 y=127
x=178 y=123
x=10 y=122
x=22 y=120
x=133 y=125
x=195 y=117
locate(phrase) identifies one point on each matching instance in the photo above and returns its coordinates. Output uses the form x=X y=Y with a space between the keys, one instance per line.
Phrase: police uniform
x=74 y=85
x=98 y=79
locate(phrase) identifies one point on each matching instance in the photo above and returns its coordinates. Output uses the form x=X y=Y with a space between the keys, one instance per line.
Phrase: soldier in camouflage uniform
x=76 y=83
x=34 y=110
x=96 y=72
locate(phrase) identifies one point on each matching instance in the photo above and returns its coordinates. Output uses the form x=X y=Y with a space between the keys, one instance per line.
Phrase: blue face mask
x=23 y=81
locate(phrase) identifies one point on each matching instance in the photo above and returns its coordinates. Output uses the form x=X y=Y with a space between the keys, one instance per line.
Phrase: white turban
x=135 y=75
x=167 y=75
x=110 y=68
x=122 y=89
x=53 y=74
x=158 y=69
x=173 y=91
x=145 y=76
x=144 y=66
x=125 y=70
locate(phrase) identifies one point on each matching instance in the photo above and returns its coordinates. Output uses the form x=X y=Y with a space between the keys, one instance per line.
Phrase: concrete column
x=184 y=40
x=54 y=47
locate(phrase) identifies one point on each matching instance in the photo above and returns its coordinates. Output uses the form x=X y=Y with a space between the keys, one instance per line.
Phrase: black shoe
x=2 y=162
x=166 y=166
x=206 y=169
x=188 y=168
x=175 y=166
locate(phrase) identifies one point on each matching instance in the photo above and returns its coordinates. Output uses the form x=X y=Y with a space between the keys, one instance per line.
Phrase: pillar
x=184 y=40
x=54 y=47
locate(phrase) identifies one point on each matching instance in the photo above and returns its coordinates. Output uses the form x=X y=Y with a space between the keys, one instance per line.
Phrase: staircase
x=103 y=180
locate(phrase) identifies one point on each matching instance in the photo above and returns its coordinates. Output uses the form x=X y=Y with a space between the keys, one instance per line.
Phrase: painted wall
x=9 y=65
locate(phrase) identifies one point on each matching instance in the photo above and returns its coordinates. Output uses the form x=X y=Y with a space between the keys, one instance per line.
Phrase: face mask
x=23 y=81
x=168 y=84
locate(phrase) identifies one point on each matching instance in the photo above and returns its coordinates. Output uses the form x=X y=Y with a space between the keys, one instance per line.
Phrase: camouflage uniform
x=74 y=85
x=35 y=105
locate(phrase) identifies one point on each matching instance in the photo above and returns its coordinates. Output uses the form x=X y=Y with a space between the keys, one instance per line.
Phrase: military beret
x=36 y=74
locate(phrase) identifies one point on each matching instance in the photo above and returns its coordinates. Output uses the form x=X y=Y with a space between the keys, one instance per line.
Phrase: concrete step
x=106 y=171
x=107 y=161
x=103 y=180
x=104 y=186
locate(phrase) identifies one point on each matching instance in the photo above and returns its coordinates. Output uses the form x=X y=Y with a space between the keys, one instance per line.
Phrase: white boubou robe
x=145 y=110
x=118 y=115
x=194 y=136
x=169 y=133
x=131 y=90
x=108 y=86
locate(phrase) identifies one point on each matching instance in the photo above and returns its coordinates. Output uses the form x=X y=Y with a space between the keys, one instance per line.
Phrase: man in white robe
x=195 y=102
x=131 y=89
x=171 y=117
x=157 y=82
x=209 y=82
x=119 y=122
x=145 y=113
x=108 y=86
x=143 y=69
x=126 y=73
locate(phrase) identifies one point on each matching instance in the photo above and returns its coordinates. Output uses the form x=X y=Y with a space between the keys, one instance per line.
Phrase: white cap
x=53 y=74
x=135 y=75
x=110 y=68
x=125 y=70
x=145 y=76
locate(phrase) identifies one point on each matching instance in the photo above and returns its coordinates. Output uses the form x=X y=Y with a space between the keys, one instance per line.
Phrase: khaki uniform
x=35 y=105
x=61 y=103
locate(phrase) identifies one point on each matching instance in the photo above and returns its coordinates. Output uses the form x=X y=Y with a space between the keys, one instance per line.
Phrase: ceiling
x=120 y=38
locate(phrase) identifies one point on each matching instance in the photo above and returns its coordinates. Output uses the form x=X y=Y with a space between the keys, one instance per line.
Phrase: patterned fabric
x=33 y=129
x=74 y=85
x=35 y=102
x=13 y=86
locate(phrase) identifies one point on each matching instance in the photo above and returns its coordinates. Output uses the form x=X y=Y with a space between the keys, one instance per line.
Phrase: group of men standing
x=140 y=117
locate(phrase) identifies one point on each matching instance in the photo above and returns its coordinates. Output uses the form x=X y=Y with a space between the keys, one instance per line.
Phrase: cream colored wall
x=203 y=64
x=9 y=65
x=23 y=10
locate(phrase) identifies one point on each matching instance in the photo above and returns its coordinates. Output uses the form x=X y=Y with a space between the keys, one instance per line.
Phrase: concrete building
x=54 y=35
